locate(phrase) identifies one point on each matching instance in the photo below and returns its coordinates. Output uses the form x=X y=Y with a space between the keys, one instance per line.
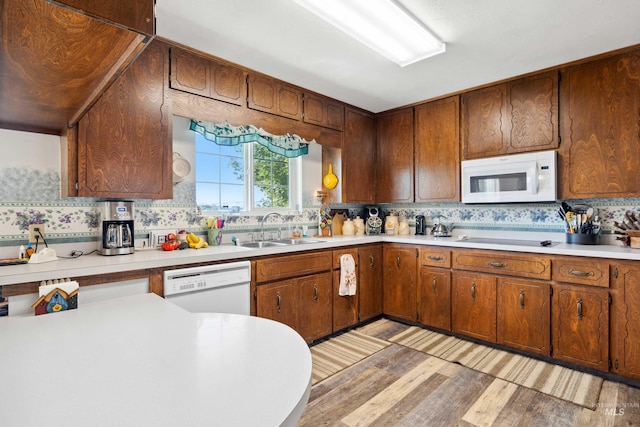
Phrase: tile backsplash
x=30 y=189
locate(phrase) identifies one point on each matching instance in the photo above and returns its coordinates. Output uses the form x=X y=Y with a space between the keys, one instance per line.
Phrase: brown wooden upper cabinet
x=395 y=156
x=138 y=15
x=59 y=60
x=322 y=111
x=358 y=155
x=513 y=117
x=600 y=127
x=275 y=97
x=205 y=77
x=437 y=151
x=124 y=146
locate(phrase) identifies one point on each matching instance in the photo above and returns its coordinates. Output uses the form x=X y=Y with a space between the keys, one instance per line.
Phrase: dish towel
x=348 y=280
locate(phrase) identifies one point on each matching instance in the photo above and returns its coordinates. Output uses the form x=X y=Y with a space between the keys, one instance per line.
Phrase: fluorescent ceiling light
x=382 y=25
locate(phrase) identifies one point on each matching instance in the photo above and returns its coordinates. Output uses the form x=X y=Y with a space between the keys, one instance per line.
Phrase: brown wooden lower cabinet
x=434 y=297
x=303 y=303
x=524 y=315
x=625 y=324
x=400 y=271
x=314 y=304
x=580 y=325
x=277 y=301
x=345 y=308
x=473 y=305
x=370 y=282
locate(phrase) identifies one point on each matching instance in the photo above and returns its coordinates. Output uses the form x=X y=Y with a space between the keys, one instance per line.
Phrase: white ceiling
x=487 y=40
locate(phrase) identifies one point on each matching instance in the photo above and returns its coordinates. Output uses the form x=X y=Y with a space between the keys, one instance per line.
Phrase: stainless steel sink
x=282 y=242
x=297 y=241
x=265 y=244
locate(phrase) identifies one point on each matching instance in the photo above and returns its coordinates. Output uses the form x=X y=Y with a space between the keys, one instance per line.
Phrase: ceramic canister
x=358 y=223
x=348 y=228
x=391 y=224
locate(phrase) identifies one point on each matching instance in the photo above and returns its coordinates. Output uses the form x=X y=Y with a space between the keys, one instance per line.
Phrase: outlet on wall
x=33 y=232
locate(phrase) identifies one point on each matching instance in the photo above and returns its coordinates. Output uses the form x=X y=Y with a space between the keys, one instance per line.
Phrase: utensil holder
x=583 y=239
x=214 y=236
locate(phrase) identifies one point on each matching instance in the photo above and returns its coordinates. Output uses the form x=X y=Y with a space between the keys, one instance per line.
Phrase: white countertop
x=94 y=264
x=143 y=361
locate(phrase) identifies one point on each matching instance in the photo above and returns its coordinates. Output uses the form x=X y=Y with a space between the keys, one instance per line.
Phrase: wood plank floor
x=399 y=386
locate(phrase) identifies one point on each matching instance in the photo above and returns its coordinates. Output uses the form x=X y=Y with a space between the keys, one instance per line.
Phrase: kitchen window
x=245 y=178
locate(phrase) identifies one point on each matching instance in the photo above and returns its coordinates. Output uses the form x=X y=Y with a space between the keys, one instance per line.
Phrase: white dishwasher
x=219 y=288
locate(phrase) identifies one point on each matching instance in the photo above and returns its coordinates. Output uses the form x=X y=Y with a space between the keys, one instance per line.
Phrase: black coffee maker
x=421 y=225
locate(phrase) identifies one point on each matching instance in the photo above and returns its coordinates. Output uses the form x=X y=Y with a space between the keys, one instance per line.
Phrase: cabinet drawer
x=582 y=271
x=292 y=266
x=526 y=265
x=338 y=254
x=435 y=257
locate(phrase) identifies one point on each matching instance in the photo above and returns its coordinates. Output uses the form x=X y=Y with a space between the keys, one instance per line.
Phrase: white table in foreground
x=142 y=361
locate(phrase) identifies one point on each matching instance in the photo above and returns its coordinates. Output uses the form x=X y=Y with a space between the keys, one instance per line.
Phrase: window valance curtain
x=224 y=134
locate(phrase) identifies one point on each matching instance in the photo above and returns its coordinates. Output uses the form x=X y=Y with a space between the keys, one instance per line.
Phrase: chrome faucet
x=264 y=218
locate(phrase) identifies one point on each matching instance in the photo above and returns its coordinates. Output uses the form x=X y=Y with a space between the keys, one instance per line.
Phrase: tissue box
x=57 y=297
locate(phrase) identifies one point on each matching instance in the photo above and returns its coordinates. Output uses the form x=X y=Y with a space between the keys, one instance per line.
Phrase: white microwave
x=528 y=177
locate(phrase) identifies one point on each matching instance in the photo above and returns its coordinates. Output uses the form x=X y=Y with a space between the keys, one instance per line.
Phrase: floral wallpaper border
x=77 y=219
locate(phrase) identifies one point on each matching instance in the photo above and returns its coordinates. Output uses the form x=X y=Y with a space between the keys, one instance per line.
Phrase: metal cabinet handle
x=579 y=308
x=398 y=260
x=371 y=259
x=521 y=299
x=473 y=291
x=435 y=288
x=581 y=273
x=497 y=264
x=435 y=258
x=279 y=298
x=315 y=295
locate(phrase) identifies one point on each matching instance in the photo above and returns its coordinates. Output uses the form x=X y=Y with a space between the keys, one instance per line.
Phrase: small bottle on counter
x=29 y=251
x=22 y=252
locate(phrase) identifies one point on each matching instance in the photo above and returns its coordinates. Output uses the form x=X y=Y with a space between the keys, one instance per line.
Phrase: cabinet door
x=370 y=282
x=190 y=73
x=314 y=301
x=358 y=155
x=345 y=308
x=434 y=298
x=228 y=83
x=524 y=315
x=600 y=128
x=205 y=77
x=400 y=271
x=271 y=96
x=322 y=111
x=277 y=301
x=580 y=326
x=124 y=146
x=485 y=122
x=626 y=340
x=534 y=113
x=437 y=148
x=395 y=157
x=473 y=305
